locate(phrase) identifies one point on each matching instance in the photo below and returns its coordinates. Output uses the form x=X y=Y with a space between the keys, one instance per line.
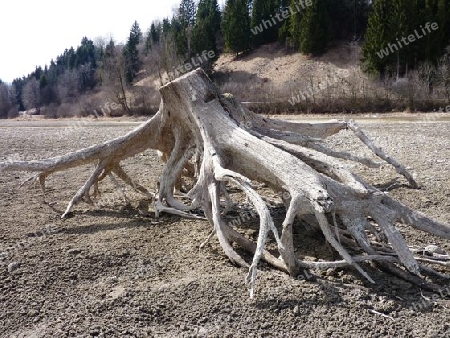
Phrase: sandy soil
x=266 y=63
x=271 y=73
x=112 y=272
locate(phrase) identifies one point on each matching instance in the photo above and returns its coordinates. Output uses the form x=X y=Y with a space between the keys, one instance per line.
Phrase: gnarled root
x=218 y=143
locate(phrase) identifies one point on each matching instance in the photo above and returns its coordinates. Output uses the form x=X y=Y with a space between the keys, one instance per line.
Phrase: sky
x=32 y=32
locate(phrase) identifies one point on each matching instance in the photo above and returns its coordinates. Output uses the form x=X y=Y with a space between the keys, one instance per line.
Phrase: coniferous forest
x=398 y=39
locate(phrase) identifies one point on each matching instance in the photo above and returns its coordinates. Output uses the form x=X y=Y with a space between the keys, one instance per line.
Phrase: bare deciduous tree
x=167 y=58
x=113 y=76
x=427 y=74
x=443 y=73
x=67 y=87
x=31 y=95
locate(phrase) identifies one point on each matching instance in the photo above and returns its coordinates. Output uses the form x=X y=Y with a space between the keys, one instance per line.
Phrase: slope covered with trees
x=399 y=36
x=175 y=45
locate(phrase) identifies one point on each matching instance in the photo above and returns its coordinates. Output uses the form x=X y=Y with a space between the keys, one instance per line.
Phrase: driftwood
x=213 y=139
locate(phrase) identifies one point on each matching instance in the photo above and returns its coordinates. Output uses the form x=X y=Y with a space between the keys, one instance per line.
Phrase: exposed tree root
x=217 y=142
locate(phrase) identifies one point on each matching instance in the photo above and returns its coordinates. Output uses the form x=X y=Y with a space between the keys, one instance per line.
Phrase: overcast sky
x=32 y=32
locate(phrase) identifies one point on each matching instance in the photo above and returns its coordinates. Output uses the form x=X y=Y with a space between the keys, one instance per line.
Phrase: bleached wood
x=214 y=140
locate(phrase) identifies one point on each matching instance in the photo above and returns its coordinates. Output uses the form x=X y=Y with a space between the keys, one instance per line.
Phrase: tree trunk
x=218 y=142
x=122 y=96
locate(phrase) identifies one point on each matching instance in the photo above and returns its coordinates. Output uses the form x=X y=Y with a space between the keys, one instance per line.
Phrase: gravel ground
x=113 y=272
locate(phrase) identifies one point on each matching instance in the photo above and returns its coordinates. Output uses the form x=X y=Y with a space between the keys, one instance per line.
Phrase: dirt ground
x=115 y=272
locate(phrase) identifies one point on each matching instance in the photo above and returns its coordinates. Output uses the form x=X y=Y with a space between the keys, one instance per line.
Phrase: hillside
x=271 y=74
x=272 y=80
x=273 y=65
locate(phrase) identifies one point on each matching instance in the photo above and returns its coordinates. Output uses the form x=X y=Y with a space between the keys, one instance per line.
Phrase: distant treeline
x=307 y=26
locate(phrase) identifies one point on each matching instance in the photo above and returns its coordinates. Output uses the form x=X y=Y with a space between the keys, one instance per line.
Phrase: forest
x=309 y=27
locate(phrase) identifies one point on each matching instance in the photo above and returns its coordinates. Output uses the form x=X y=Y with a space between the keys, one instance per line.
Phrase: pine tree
x=186 y=19
x=45 y=89
x=444 y=22
x=314 y=28
x=6 y=99
x=400 y=26
x=18 y=85
x=180 y=37
x=37 y=73
x=86 y=52
x=263 y=12
x=70 y=58
x=294 y=28
x=153 y=37
x=187 y=11
x=110 y=49
x=284 y=27
x=436 y=11
x=390 y=24
x=348 y=18
x=131 y=53
x=108 y=62
x=207 y=26
x=236 y=25
x=378 y=37
x=148 y=43
x=166 y=26
x=155 y=32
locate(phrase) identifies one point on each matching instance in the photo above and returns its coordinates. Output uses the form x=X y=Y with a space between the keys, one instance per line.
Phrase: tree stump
x=217 y=142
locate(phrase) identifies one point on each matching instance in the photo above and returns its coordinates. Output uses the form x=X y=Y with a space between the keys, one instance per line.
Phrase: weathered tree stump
x=213 y=139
